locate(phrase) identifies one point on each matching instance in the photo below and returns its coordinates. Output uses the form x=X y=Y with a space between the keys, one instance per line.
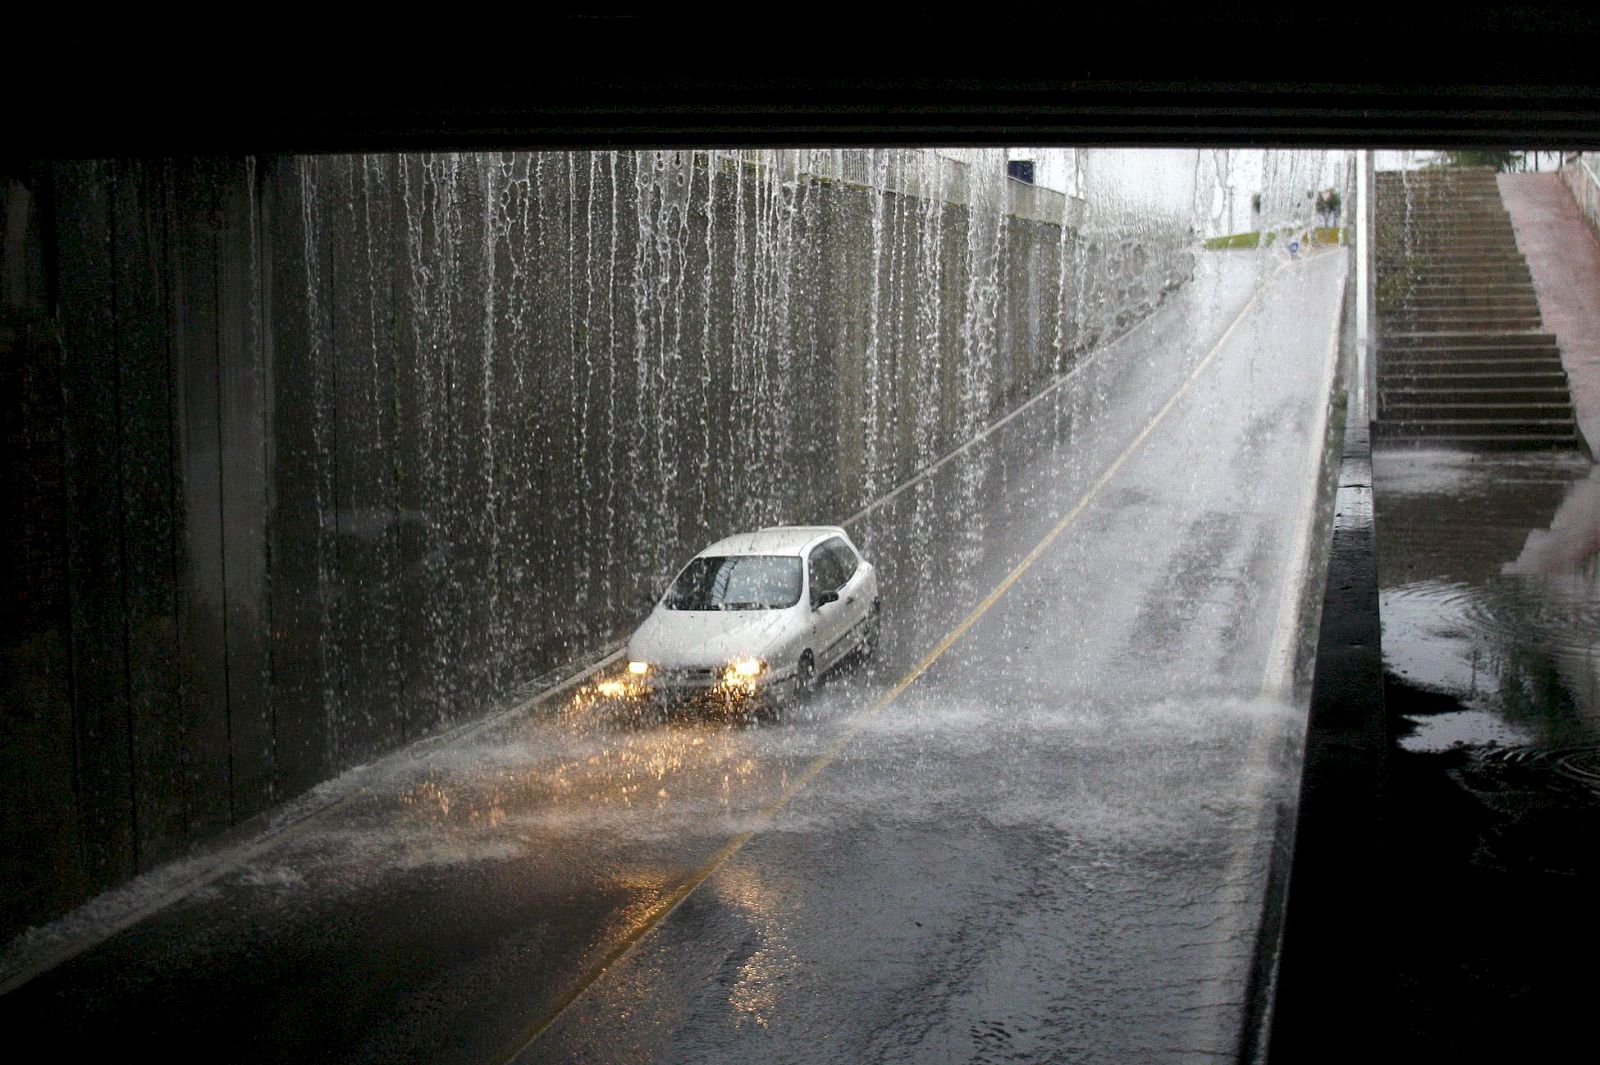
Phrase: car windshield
x=737 y=582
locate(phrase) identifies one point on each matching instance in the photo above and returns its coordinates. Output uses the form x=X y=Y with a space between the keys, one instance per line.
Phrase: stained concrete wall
x=311 y=457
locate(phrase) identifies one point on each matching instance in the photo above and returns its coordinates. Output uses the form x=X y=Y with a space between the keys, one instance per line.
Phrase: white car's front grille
x=688 y=678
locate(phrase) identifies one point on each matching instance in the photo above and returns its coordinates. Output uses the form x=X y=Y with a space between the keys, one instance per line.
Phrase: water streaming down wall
x=392 y=435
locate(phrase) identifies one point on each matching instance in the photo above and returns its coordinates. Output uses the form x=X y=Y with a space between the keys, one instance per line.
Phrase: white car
x=758 y=614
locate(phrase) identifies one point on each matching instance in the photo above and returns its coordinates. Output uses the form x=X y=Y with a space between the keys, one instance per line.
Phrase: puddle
x=1490 y=594
x=1468 y=728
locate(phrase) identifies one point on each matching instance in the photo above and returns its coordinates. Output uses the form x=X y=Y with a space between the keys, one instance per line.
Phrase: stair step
x=1486 y=293
x=1416 y=233
x=1418 y=323
x=1447 y=311
x=1388 y=250
x=1468 y=375
x=1405 y=395
x=1488 y=212
x=1511 y=338
x=1472 y=363
x=1436 y=264
x=1472 y=360
x=1421 y=220
x=1495 y=383
x=1445 y=276
x=1458 y=346
x=1455 y=175
x=1487 y=251
x=1445 y=243
x=1450 y=207
x=1475 y=309
x=1442 y=194
x=1521 y=413
x=1481 y=338
x=1443 y=207
x=1420 y=264
x=1418 y=226
x=1475 y=442
x=1449 y=256
x=1444 y=361
x=1485 y=426
x=1490 y=300
x=1470 y=285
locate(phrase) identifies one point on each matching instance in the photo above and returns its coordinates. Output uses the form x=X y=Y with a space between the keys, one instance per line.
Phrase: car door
x=829 y=621
x=854 y=596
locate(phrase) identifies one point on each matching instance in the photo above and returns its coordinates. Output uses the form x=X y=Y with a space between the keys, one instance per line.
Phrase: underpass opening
x=433 y=425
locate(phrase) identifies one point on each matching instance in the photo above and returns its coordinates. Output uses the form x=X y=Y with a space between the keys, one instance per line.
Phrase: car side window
x=844 y=558
x=824 y=570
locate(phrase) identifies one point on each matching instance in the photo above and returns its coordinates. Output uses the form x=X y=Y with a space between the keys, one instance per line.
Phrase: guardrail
x=1028 y=200
x=1583 y=181
x=922 y=173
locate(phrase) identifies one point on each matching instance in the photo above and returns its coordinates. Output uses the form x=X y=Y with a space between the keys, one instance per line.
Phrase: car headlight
x=745 y=669
x=638 y=669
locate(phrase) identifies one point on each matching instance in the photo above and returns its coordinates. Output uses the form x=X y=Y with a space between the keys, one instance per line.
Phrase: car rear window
x=737 y=582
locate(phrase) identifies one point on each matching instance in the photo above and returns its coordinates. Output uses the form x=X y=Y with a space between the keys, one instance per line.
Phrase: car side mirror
x=823 y=599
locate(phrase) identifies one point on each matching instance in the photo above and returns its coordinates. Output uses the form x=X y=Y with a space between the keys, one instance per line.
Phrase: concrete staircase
x=1463 y=360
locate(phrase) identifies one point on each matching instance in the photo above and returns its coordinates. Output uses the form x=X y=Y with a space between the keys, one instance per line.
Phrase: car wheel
x=804 y=676
x=869 y=642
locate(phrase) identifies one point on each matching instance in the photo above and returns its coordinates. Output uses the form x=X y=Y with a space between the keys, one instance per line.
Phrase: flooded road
x=1037 y=826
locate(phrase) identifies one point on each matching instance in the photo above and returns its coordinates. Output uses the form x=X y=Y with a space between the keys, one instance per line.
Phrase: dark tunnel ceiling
x=1468 y=74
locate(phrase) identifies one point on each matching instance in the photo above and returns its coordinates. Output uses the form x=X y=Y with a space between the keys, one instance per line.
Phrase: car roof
x=777 y=540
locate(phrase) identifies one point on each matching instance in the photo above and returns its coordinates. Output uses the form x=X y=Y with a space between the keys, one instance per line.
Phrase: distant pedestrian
x=1328 y=204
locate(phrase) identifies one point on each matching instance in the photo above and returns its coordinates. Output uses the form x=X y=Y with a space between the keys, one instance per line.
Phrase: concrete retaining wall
x=1581 y=175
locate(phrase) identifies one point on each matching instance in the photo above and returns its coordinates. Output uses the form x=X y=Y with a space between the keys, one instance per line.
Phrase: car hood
x=705 y=638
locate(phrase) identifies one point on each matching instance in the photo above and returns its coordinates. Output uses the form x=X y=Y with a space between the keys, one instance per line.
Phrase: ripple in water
x=1519 y=651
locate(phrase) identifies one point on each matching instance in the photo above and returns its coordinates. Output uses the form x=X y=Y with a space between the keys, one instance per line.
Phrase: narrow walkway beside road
x=1563 y=256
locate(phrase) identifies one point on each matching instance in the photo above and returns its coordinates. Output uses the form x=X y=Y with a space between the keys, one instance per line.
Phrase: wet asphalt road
x=1051 y=845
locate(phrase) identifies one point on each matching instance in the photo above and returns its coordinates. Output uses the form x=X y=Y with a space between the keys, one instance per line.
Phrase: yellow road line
x=664 y=906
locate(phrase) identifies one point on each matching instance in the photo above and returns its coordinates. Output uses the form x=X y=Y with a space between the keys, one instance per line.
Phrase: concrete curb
x=1330 y=928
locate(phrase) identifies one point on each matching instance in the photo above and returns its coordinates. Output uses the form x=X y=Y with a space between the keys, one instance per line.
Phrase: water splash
x=605 y=360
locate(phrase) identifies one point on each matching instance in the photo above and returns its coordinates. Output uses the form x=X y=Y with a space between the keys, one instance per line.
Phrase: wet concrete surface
x=1053 y=844
x=1563 y=255
x=1491 y=635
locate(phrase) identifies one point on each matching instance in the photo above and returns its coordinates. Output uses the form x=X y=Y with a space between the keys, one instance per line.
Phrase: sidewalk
x=1563 y=255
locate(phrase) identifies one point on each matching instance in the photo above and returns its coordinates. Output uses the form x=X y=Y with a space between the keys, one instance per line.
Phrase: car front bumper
x=687 y=684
